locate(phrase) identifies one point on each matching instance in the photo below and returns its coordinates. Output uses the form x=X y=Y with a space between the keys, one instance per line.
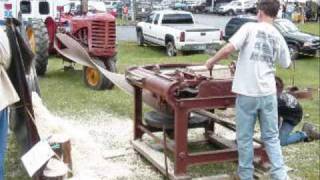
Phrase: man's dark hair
x=269 y=7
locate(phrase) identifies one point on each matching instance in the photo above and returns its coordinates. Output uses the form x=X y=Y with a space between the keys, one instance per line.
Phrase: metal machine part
x=180 y=91
x=176 y=90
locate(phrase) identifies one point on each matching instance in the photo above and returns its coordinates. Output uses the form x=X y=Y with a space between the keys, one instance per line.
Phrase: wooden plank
x=217 y=177
x=225 y=123
x=222 y=142
x=158 y=140
x=225 y=143
x=157 y=159
x=218 y=71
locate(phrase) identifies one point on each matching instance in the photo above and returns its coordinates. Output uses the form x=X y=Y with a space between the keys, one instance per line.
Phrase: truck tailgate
x=197 y=33
x=202 y=35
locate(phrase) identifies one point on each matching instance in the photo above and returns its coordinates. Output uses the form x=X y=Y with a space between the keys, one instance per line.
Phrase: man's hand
x=222 y=53
x=232 y=67
x=209 y=64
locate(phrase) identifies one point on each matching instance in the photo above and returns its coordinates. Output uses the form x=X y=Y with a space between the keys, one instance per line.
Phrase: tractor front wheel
x=94 y=79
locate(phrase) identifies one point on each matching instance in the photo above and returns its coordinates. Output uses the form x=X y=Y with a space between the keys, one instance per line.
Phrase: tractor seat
x=159 y=120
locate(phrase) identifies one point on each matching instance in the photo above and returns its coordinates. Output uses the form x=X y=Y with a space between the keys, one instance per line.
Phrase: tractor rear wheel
x=94 y=79
x=37 y=35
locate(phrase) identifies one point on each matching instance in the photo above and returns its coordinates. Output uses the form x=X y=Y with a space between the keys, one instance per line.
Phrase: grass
x=312 y=28
x=124 y=22
x=65 y=94
x=70 y=85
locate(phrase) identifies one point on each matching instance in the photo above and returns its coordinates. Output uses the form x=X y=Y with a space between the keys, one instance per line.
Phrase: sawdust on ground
x=101 y=149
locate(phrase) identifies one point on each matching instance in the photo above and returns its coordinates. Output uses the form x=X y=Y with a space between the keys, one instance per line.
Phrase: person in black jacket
x=290 y=114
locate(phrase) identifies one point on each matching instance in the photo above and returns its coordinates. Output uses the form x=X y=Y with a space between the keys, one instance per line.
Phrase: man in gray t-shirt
x=260 y=46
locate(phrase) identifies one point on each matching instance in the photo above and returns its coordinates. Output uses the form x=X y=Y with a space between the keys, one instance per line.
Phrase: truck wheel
x=37 y=35
x=230 y=13
x=171 y=49
x=94 y=79
x=294 y=51
x=140 y=38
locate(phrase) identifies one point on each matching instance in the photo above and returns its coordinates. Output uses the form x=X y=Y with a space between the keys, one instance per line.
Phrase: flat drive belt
x=75 y=52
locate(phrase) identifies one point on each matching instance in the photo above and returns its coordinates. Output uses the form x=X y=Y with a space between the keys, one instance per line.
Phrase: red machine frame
x=150 y=86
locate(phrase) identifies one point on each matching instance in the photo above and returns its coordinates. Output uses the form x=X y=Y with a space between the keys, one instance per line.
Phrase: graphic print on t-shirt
x=289 y=100
x=265 y=48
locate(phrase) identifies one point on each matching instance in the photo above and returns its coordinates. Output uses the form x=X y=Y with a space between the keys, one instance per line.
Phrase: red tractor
x=95 y=31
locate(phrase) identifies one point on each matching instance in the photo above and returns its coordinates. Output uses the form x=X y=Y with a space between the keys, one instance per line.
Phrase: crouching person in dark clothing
x=290 y=115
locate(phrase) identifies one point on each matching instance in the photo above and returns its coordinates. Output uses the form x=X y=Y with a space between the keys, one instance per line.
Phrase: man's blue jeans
x=248 y=110
x=286 y=137
x=3 y=139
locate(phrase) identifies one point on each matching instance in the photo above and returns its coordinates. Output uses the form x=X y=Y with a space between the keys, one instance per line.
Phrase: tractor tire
x=294 y=51
x=140 y=38
x=111 y=64
x=38 y=38
x=171 y=49
x=94 y=79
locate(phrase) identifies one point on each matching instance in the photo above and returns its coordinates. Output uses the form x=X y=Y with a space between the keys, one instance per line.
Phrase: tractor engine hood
x=92 y=17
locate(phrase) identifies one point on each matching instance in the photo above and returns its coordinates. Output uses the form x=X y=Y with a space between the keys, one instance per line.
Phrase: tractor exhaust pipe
x=84 y=7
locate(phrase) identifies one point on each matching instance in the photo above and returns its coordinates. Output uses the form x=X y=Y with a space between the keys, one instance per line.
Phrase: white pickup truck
x=177 y=31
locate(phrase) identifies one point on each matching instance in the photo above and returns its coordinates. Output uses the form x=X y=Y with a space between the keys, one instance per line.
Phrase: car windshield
x=177 y=19
x=286 y=26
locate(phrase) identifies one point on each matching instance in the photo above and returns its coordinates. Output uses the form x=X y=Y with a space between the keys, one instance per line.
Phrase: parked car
x=297 y=41
x=215 y=9
x=231 y=8
x=157 y=7
x=93 y=7
x=177 y=31
x=143 y=9
x=197 y=7
x=111 y=4
x=179 y=6
x=237 y=7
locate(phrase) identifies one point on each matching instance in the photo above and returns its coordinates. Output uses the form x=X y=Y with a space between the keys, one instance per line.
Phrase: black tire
x=231 y=13
x=40 y=46
x=111 y=64
x=171 y=49
x=294 y=51
x=140 y=38
x=94 y=79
